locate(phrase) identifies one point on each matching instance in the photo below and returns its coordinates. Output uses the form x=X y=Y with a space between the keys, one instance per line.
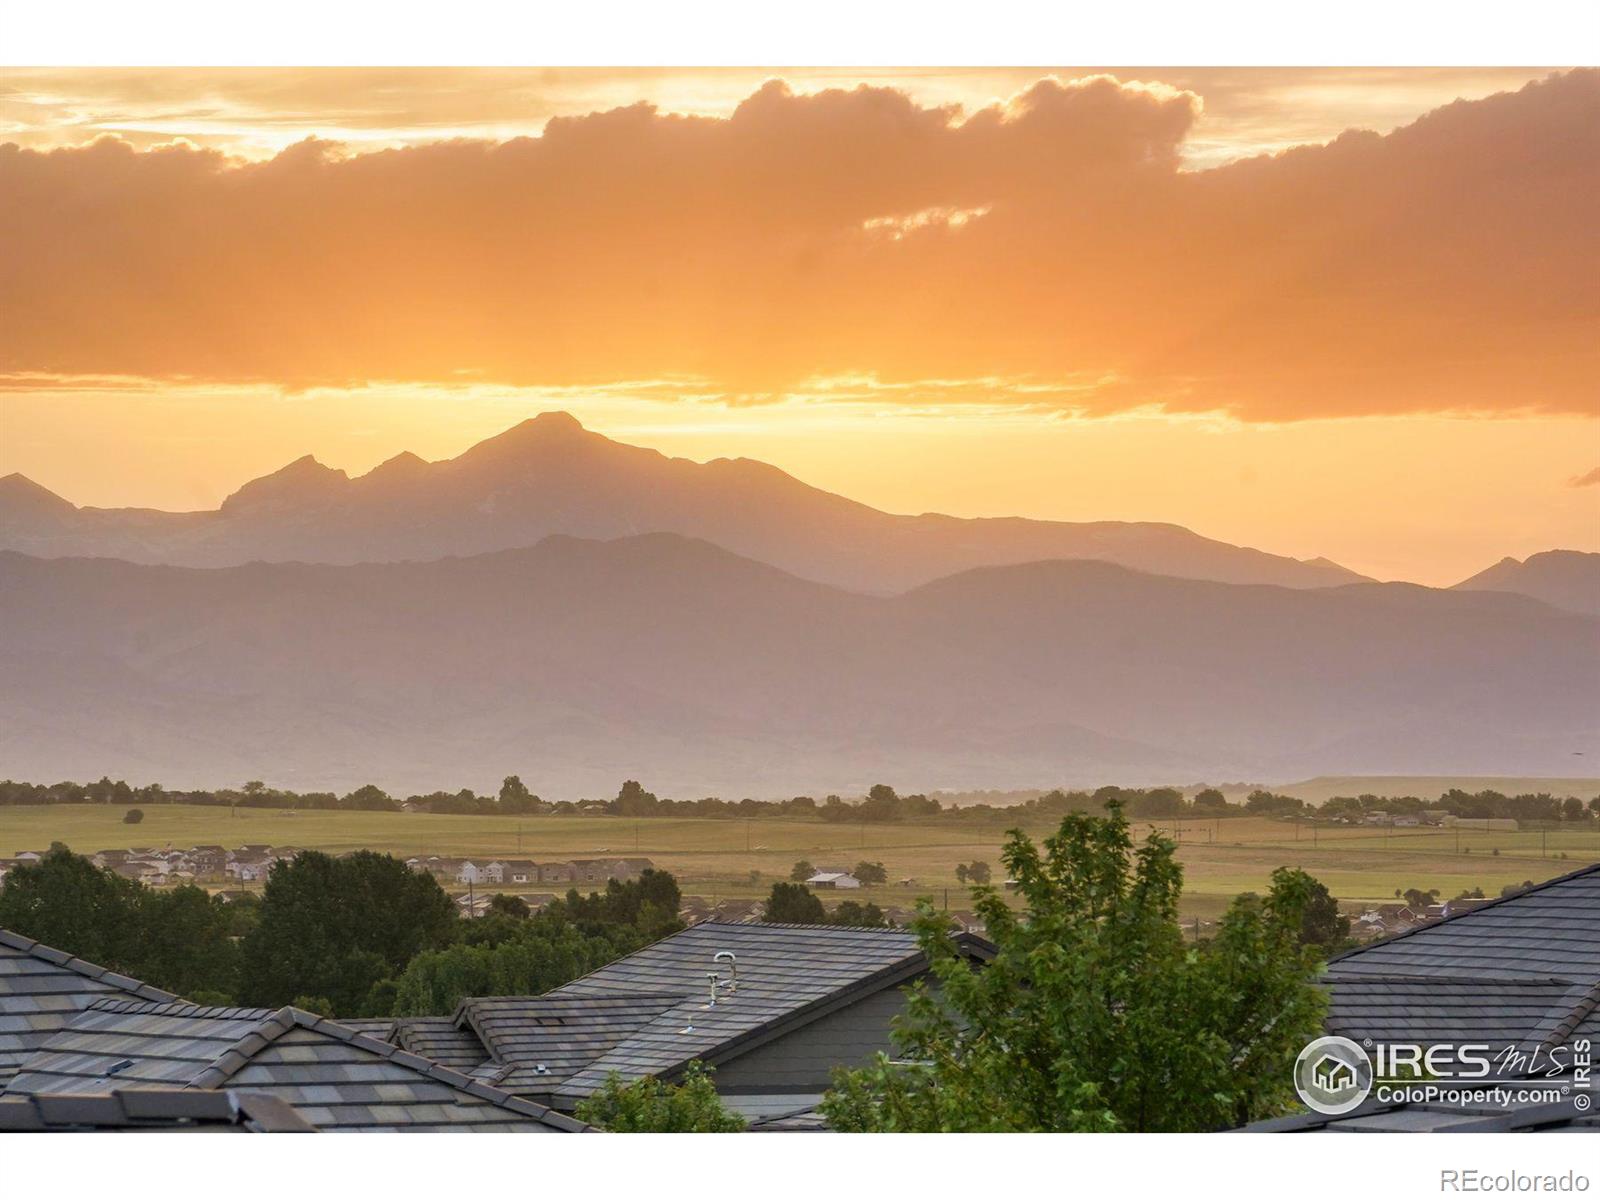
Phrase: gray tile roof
x=537 y=1042
x=1522 y=972
x=787 y=976
x=333 y=1076
x=165 y=1109
x=1520 y=1014
x=1549 y=931
x=41 y=989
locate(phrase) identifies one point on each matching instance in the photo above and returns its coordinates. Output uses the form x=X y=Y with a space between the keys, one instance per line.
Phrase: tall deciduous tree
x=793 y=904
x=67 y=902
x=335 y=927
x=1095 y=1014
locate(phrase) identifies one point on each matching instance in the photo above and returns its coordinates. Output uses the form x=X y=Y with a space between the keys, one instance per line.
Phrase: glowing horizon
x=1188 y=295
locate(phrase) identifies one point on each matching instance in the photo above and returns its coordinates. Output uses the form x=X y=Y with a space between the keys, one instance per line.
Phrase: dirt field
x=715 y=858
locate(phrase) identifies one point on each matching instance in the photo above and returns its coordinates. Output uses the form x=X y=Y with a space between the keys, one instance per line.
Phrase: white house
x=833 y=879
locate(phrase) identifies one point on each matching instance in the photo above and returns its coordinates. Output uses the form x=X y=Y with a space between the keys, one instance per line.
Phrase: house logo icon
x=1333 y=1075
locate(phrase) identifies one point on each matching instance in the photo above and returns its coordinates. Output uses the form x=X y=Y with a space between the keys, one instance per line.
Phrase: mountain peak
x=402 y=466
x=553 y=434
x=18 y=492
x=304 y=482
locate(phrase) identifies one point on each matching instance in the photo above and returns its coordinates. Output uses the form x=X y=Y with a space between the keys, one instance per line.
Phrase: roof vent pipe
x=732 y=960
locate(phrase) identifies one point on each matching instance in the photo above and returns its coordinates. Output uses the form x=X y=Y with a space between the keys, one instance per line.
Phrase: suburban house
x=774 y=1008
x=332 y=1076
x=524 y=872
x=833 y=879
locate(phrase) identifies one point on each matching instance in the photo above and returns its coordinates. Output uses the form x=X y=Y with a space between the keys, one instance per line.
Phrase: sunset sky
x=1350 y=313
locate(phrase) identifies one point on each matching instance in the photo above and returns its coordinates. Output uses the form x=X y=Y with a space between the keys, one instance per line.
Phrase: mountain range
x=575 y=610
x=549 y=475
x=577 y=663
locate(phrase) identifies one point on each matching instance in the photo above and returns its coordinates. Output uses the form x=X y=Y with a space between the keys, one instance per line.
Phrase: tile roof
x=1520 y=972
x=1520 y=1014
x=333 y=1076
x=537 y=1042
x=166 y=1109
x=1551 y=930
x=41 y=989
x=787 y=975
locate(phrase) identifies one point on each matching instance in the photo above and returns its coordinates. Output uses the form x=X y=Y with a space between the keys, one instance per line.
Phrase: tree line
x=881 y=805
x=358 y=936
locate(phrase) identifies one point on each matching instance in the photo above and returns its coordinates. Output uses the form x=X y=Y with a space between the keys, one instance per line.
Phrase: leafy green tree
x=633 y=801
x=1095 y=1014
x=961 y=873
x=67 y=902
x=184 y=944
x=516 y=798
x=793 y=904
x=801 y=872
x=334 y=927
x=871 y=872
x=524 y=958
x=370 y=798
x=979 y=872
x=649 y=904
x=510 y=906
x=650 y=1106
x=1323 y=925
x=853 y=912
x=133 y=816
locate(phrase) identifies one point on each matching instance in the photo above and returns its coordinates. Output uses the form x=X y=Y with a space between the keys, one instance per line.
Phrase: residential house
x=332 y=1076
x=557 y=872
x=788 y=1004
x=833 y=879
x=602 y=870
x=208 y=862
x=519 y=871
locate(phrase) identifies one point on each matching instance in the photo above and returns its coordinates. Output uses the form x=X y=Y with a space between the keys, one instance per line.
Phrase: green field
x=714 y=858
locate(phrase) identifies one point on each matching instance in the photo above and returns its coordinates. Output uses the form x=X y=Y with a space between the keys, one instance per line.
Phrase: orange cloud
x=1589 y=479
x=1047 y=252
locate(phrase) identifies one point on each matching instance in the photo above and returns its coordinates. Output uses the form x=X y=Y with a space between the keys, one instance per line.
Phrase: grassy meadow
x=714 y=858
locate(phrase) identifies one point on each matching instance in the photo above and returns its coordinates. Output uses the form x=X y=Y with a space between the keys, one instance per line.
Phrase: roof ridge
x=1470 y=912
x=60 y=958
x=1587 y=1003
x=1470 y=980
x=288 y=1018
